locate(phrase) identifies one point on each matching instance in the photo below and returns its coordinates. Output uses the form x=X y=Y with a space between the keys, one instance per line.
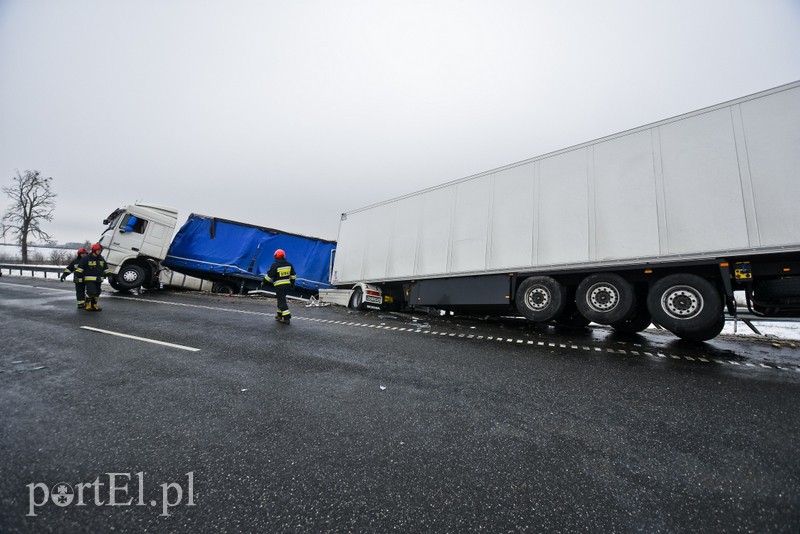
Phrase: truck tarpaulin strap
x=238 y=247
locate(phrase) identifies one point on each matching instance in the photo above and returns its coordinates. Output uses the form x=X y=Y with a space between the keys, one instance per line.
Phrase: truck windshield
x=112 y=219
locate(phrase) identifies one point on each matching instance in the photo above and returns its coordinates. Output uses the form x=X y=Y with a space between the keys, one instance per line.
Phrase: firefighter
x=282 y=276
x=80 y=285
x=93 y=268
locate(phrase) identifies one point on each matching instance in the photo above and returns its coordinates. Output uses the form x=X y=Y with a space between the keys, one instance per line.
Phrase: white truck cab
x=135 y=241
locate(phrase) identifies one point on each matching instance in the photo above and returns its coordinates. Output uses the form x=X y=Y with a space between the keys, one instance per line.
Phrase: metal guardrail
x=23 y=268
x=169 y=278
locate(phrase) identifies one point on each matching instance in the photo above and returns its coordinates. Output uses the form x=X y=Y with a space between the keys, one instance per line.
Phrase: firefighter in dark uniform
x=282 y=276
x=80 y=285
x=93 y=268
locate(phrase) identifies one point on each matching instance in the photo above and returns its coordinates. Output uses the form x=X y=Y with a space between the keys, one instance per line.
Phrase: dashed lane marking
x=699 y=360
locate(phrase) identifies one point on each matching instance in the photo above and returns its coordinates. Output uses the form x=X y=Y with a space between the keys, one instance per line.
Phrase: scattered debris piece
x=776 y=345
x=245 y=389
x=383 y=388
x=315 y=302
x=38 y=368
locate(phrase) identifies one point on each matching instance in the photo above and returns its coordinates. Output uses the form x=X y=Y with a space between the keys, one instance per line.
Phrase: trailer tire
x=605 y=298
x=686 y=304
x=703 y=335
x=224 y=288
x=130 y=276
x=541 y=298
x=357 y=299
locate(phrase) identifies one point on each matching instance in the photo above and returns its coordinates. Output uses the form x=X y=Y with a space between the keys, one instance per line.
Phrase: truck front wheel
x=113 y=281
x=130 y=276
x=541 y=298
x=687 y=305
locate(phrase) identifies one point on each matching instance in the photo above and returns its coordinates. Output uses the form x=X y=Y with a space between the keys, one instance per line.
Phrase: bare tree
x=60 y=256
x=32 y=202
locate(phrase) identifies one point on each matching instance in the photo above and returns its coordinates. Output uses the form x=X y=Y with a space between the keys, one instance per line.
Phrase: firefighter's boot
x=81 y=304
x=95 y=307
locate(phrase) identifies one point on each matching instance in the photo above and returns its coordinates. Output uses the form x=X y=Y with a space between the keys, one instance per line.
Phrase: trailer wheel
x=130 y=276
x=224 y=288
x=686 y=305
x=541 y=298
x=605 y=298
x=357 y=299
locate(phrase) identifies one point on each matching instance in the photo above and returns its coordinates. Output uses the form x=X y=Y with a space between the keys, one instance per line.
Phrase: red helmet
x=82 y=251
x=96 y=247
x=280 y=254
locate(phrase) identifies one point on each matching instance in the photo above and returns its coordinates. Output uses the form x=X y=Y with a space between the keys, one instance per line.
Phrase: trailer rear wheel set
x=687 y=305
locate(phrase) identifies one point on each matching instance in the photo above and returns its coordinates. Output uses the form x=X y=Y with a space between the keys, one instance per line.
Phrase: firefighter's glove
x=62 y=277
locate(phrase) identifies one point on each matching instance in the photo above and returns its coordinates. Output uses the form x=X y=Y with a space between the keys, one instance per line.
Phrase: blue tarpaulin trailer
x=236 y=256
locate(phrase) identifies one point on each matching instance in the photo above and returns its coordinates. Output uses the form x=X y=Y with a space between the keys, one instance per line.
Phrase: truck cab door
x=130 y=234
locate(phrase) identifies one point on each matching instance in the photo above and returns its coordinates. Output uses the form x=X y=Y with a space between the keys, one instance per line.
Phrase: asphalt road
x=376 y=422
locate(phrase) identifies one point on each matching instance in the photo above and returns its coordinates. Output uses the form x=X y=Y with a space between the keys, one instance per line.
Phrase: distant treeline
x=40 y=254
x=76 y=246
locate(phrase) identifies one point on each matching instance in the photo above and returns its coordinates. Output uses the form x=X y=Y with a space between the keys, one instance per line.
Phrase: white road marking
x=37 y=287
x=137 y=338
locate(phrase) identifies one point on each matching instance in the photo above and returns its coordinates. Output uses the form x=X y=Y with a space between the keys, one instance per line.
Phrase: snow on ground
x=779 y=330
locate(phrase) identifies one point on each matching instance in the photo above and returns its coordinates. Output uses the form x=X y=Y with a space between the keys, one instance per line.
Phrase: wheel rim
x=602 y=297
x=538 y=298
x=682 y=302
x=130 y=276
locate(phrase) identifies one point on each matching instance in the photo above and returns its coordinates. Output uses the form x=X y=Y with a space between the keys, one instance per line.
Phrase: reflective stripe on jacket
x=73 y=265
x=281 y=273
x=93 y=268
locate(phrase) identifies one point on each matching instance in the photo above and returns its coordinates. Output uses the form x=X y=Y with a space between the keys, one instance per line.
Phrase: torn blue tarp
x=224 y=248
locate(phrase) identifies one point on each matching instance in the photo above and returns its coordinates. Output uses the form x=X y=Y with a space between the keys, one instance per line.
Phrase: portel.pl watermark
x=119 y=492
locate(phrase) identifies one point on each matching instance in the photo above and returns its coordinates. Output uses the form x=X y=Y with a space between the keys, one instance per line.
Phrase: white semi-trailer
x=660 y=224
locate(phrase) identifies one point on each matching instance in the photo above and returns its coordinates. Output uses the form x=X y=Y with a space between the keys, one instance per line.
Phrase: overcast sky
x=288 y=113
